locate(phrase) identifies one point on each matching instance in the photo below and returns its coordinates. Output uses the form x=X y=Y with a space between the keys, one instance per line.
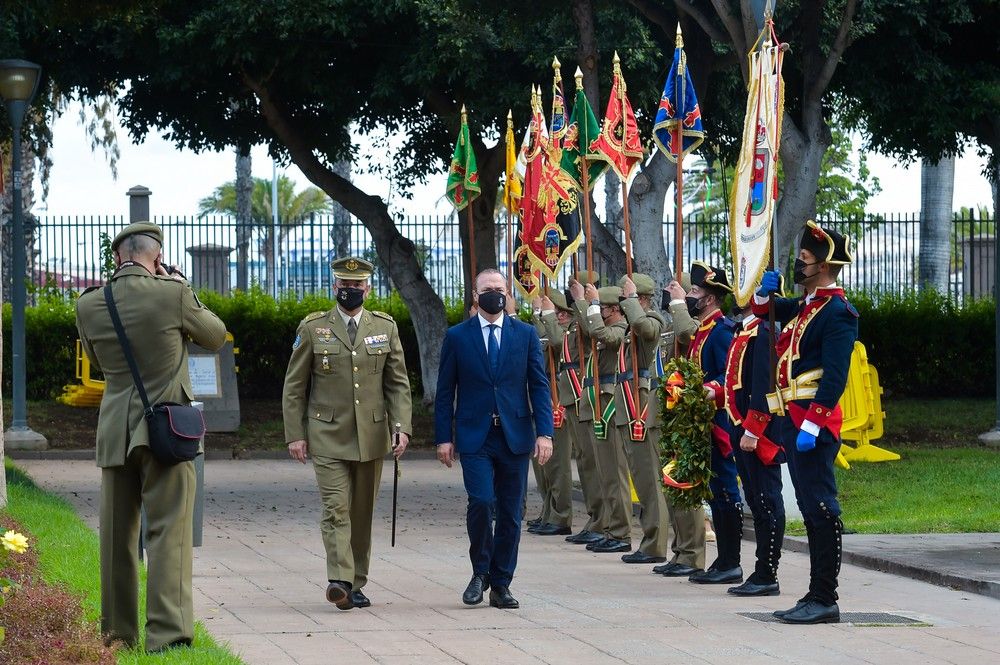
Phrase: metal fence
x=67 y=252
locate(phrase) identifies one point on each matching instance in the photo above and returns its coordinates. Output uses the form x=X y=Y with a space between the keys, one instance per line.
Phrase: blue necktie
x=493 y=349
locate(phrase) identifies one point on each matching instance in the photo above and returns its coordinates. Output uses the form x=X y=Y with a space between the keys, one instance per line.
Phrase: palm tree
x=293 y=209
x=937 y=184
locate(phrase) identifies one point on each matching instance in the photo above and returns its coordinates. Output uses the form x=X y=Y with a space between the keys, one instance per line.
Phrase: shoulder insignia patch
x=383 y=315
x=297 y=342
x=313 y=316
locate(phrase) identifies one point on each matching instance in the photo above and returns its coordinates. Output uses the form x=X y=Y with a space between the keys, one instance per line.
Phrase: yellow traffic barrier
x=90 y=390
x=863 y=416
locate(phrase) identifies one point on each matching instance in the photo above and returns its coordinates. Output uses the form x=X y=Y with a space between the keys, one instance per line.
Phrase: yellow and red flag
x=618 y=143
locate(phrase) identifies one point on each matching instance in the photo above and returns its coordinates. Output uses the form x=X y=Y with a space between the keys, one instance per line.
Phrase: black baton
x=395 y=482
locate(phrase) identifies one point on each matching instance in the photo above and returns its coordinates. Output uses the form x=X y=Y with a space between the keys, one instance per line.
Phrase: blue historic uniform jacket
x=814 y=357
x=748 y=380
x=709 y=348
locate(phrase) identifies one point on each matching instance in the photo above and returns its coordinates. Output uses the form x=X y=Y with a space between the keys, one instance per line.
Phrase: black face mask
x=492 y=302
x=350 y=298
x=800 y=275
x=694 y=305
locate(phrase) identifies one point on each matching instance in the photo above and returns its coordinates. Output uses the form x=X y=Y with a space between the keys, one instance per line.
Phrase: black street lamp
x=18 y=85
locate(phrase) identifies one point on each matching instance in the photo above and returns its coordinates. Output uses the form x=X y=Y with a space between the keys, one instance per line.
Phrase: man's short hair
x=138 y=245
x=489 y=271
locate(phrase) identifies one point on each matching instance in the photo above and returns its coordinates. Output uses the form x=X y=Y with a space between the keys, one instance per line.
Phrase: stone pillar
x=978 y=266
x=210 y=267
x=138 y=204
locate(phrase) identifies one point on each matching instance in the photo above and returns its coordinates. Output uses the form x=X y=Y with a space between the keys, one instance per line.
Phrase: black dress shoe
x=584 y=538
x=474 y=592
x=500 y=597
x=339 y=593
x=717 y=576
x=592 y=545
x=813 y=612
x=535 y=522
x=552 y=530
x=753 y=588
x=659 y=570
x=611 y=545
x=680 y=570
x=781 y=613
x=641 y=557
x=359 y=599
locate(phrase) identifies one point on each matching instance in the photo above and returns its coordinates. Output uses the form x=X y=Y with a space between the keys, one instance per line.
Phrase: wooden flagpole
x=625 y=216
x=584 y=181
x=679 y=182
x=510 y=225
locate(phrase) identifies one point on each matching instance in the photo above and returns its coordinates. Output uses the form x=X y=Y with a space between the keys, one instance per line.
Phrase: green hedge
x=922 y=346
x=925 y=346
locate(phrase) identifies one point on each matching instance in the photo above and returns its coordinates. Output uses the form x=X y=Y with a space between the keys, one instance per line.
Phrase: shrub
x=44 y=623
x=923 y=345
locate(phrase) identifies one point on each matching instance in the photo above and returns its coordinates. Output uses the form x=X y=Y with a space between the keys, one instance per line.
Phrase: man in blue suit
x=502 y=415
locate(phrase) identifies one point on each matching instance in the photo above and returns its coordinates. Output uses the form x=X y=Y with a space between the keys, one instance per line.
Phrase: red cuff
x=768 y=450
x=721 y=439
x=824 y=416
x=720 y=397
x=820 y=414
x=756 y=422
x=760 y=309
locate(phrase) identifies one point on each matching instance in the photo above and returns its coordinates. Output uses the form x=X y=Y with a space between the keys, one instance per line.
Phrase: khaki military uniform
x=612 y=466
x=688 y=523
x=159 y=315
x=643 y=455
x=557 y=475
x=344 y=399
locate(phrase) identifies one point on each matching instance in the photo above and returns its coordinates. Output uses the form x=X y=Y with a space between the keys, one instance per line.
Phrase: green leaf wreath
x=686 y=434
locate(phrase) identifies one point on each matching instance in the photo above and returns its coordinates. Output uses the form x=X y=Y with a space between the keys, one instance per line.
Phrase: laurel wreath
x=686 y=434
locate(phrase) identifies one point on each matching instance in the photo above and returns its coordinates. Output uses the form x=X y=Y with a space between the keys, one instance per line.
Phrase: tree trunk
x=937 y=186
x=244 y=216
x=340 y=234
x=3 y=474
x=647 y=198
x=801 y=159
x=484 y=223
x=397 y=253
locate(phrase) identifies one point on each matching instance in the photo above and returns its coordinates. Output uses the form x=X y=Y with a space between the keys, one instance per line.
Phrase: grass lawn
x=69 y=555
x=944 y=482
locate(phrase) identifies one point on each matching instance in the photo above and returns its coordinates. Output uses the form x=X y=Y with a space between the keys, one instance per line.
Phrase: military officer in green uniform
x=159 y=312
x=346 y=393
x=552 y=318
x=602 y=322
x=637 y=414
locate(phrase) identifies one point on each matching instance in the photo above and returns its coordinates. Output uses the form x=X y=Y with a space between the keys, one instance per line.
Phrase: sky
x=81 y=181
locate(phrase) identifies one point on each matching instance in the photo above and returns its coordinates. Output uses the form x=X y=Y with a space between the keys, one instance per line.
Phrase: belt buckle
x=496 y=420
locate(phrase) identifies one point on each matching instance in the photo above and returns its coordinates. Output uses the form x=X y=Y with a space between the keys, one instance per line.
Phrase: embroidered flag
x=678 y=107
x=463 y=177
x=618 y=143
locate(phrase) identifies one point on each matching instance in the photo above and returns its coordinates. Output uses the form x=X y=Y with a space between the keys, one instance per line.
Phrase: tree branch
x=825 y=73
x=734 y=29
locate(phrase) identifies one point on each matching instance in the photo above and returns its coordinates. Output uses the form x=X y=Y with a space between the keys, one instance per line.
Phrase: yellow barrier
x=863 y=415
x=90 y=390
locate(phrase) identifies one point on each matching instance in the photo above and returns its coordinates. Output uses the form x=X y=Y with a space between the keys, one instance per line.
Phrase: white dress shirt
x=346 y=318
x=486 y=331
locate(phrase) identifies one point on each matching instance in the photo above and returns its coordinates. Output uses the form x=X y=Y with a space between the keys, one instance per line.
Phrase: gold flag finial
x=617 y=64
x=464 y=119
x=510 y=117
x=579 y=77
x=679 y=43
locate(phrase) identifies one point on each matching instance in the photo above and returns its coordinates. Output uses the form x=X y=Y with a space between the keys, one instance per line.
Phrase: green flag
x=583 y=130
x=463 y=177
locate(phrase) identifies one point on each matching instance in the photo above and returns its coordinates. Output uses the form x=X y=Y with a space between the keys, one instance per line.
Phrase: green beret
x=138 y=228
x=609 y=295
x=352 y=268
x=644 y=284
x=559 y=300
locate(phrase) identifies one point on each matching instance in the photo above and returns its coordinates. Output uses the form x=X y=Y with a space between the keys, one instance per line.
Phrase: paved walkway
x=259 y=586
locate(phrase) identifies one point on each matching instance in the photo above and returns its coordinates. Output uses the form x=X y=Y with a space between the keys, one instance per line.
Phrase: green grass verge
x=68 y=554
x=929 y=490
